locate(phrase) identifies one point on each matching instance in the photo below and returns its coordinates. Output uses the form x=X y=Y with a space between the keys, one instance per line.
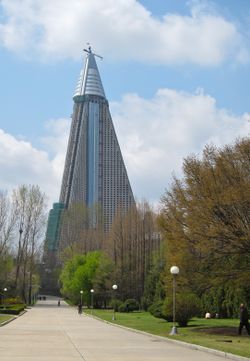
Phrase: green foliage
x=12 y=309
x=13 y=301
x=129 y=305
x=223 y=300
x=188 y=305
x=84 y=272
x=115 y=304
x=156 y=309
x=102 y=281
x=154 y=285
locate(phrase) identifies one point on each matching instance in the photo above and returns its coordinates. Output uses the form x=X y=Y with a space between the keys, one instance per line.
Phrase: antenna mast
x=89 y=51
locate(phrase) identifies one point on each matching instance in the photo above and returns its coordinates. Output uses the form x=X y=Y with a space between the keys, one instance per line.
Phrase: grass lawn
x=4 y=318
x=219 y=334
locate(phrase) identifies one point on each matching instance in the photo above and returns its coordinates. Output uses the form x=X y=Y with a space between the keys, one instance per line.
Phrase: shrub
x=156 y=309
x=122 y=308
x=12 y=309
x=13 y=301
x=115 y=304
x=129 y=305
x=187 y=306
x=224 y=300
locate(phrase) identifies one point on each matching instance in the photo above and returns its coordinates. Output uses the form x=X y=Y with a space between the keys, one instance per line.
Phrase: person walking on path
x=80 y=308
x=244 y=319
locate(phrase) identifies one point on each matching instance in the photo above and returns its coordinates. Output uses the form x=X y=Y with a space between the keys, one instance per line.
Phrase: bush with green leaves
x=154 y=288
x=84 y=272
x=129 y=305
x=13 y=300
x=224 y=300
x=188 y=305
x=156 y=309
x=12 y=309
x=115 y=304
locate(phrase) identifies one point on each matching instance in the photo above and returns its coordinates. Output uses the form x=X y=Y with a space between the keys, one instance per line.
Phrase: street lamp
x=4 y=292
x=114 y=288
x=92 y=299
x=81 y=292
x=174 y=270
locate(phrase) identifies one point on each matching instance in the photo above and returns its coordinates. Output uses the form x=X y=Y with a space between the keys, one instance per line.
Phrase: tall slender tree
x=131 y=243
x=8 y=218
x=30 y=205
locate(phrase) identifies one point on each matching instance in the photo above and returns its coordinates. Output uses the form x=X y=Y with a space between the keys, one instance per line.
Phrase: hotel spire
x=89 y=82
x=94 y=173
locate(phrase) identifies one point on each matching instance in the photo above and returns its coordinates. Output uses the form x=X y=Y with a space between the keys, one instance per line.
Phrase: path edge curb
x=192 y=346
x=12 y=319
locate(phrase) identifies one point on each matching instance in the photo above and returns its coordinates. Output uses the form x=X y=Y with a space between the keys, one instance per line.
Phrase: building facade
x=94 y=174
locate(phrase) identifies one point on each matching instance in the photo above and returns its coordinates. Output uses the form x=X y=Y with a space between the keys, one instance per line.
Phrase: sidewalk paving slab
x=51 y=333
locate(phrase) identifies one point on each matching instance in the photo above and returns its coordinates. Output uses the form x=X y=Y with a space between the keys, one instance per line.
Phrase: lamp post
x=114 y=287
x=4 y=292
x=81 y=292
x=174 y=270
x=92 y=300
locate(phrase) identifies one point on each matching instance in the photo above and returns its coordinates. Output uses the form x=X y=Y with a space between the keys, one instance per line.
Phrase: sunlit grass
x=144 y=321
x=4 y=318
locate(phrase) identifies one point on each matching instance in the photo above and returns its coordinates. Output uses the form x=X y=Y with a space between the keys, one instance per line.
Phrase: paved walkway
x=50 y=333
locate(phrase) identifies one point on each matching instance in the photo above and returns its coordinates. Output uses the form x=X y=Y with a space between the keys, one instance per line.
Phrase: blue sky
x=176 y=74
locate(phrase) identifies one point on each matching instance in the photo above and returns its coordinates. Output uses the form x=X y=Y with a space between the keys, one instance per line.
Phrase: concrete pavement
x=51 y=333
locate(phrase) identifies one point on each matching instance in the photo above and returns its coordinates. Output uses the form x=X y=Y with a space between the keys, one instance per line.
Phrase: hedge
x=12 y=309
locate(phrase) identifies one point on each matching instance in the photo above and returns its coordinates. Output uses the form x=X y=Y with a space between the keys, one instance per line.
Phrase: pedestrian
x=244 y=319
x=58 y=303
x=80 y=308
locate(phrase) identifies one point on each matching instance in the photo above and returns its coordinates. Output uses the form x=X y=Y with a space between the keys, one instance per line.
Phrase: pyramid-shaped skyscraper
x=94 y=173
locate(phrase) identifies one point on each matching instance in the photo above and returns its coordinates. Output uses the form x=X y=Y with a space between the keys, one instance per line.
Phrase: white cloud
x=22 y=163
x=56 y=145
x=156 y=134
x=121 y=29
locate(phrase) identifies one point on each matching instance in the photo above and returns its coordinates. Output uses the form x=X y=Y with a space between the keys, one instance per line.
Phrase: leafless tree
x=131 y=243
x=30 y=205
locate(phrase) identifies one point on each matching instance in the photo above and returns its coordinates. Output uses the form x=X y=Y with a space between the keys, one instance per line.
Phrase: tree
x=8 y=219
x=30 y=208
x=84 y=272
x=132 y=241
x=77 y=236
x=188 y=305
x=103 y=280
x=154 y=290
x=205 y=218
